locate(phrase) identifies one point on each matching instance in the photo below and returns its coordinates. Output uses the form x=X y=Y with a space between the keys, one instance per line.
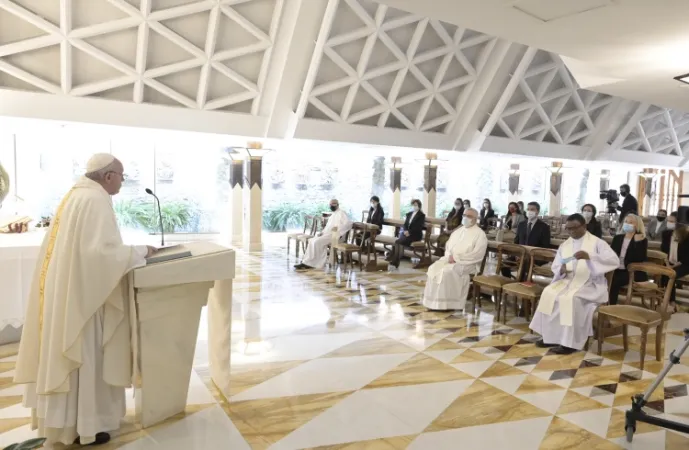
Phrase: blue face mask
x=628 y=228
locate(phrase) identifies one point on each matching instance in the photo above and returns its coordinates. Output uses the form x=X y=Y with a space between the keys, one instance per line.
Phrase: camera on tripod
x=611 y=197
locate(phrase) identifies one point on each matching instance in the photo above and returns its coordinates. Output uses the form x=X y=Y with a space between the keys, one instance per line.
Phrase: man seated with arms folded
x=533 y=233
x=657 y=225
x=564 y=317
x=449 y=277
x=316 y=253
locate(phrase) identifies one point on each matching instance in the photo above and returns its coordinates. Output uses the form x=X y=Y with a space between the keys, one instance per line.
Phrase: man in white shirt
x=316 y=253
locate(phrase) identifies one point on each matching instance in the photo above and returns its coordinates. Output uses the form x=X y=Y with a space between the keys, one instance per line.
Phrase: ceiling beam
x=301 y=37
x=490 y=78
x=610 y=120
x=641 y=109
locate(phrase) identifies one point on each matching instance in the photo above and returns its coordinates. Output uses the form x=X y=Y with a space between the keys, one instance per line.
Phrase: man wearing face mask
x=564 y=317
x=657 y=226
x=533 y=232
x=629 y=205
x=316 y=253
x=449 y=277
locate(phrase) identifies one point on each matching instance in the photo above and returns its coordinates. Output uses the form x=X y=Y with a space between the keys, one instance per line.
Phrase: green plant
x=31 y=444
x=289 y=215
x=141 y=213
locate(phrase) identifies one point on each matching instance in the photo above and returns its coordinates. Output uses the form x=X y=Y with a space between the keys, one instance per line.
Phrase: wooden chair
x=306 y=234
x=356 y=242
x=496 y=282
x=642 y=318
x=530 y=290
x=658 y=257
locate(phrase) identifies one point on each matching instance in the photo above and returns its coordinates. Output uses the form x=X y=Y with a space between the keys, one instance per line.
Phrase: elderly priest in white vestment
x=316 y=254
x=449 y=277
x=564 y=317
x=74 y=355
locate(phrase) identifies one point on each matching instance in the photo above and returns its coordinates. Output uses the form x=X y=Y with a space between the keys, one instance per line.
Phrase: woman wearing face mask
x=414 y=225
x=452 y=222
x=631 y=247
x=486 y=213
x=467 y=204
x=375 y=216
x=593 y=226
x=676 y=245
x=513 y=217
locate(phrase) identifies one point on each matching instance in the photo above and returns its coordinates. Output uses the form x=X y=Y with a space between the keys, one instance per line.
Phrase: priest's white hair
x=471 y=209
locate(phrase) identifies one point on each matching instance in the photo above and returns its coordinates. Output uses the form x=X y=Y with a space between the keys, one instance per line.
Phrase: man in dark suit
x=414 y=225
x=532 y=232
x=629 y=205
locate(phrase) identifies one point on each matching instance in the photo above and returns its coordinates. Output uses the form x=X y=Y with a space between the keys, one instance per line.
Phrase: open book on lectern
x=168 y=254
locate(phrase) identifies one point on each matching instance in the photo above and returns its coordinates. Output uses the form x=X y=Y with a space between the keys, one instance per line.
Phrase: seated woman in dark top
x=676 y=245
x=412 y=231
x=375 y=216
x=593 y=226
x=452 y=222
x=486 y=213
x=631 y=247
x=514 y=217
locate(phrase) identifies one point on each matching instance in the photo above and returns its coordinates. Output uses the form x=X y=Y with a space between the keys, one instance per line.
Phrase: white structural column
x=604 y=186
x=648 y=193
x=430 y=179
x=684 y=188
x=254 y=212
x=219 y=332
x=396 y=187
x=237 y=213
x=555 y=205
x=513 y=183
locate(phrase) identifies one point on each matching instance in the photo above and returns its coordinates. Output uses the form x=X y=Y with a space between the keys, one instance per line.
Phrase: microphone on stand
x=160 y=217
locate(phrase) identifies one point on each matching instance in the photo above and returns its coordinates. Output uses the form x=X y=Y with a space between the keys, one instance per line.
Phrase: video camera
x=611 y=197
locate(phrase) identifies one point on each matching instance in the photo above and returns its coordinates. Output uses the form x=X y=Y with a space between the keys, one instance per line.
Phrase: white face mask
x=415 y=208
x=458 y=206
x=671 y=225
x=588 y=215
x=373 y=205
x=467 y=222
x=531 y=214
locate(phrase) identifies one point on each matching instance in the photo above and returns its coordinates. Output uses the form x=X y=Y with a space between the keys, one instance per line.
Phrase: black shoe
x=560 y=350
x=101 y=438
x=541 y=344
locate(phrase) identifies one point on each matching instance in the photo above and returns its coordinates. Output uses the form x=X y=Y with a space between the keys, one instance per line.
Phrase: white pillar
x=513 y=184
x=555 y=205
x=237 y=213
x=430 y=177
x=604 y=186
x=684 y=189
x=253 y=220
x=396 y=188
x=219 y=331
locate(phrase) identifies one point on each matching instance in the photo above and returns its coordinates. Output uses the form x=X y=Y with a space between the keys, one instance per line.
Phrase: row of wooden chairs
x=609 y=319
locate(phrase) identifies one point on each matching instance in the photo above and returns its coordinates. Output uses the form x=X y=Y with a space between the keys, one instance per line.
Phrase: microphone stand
x=160 y=217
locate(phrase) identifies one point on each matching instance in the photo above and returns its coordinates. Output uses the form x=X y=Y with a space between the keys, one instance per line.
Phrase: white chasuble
x=565 y=312
x=76 y=336
x=316 y=251
x=567 y=288
x=448 y=283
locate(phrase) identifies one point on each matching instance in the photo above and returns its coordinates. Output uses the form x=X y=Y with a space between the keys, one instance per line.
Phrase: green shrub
x=143 y=214
x=286 y=216
x=31 y=444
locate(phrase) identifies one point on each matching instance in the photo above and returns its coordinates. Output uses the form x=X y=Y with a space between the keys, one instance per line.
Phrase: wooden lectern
x=169 y=297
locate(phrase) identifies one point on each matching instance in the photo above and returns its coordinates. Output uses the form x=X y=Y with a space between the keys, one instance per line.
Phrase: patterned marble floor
x=353 y=361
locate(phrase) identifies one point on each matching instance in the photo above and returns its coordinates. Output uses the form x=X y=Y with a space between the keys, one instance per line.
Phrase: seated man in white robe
x=316 y=254
x=75 y=351
x=564 y=317
x=449 y=277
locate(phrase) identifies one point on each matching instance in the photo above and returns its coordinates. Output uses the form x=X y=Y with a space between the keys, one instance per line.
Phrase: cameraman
x=629 y=205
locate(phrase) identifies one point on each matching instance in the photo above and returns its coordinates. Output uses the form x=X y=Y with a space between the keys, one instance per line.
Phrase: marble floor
x=353 y=361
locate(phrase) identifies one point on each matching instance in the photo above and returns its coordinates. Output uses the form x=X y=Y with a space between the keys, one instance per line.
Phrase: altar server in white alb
x=75 y=352
x=564 y=317
x=316 y=254
x=449 y=277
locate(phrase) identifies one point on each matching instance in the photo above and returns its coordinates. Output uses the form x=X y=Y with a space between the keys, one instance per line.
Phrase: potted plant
x=31 y=444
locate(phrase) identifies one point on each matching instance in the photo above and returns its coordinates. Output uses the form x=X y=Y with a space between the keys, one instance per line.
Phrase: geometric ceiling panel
x=389 y=69
x=199 y=54
x=548 y=106
x=660 y=130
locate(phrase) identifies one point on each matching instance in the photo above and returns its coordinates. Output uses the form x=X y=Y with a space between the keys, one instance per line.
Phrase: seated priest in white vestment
x=449 y=277
x=75 y=354
x=316 y=254
x=564 y=317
